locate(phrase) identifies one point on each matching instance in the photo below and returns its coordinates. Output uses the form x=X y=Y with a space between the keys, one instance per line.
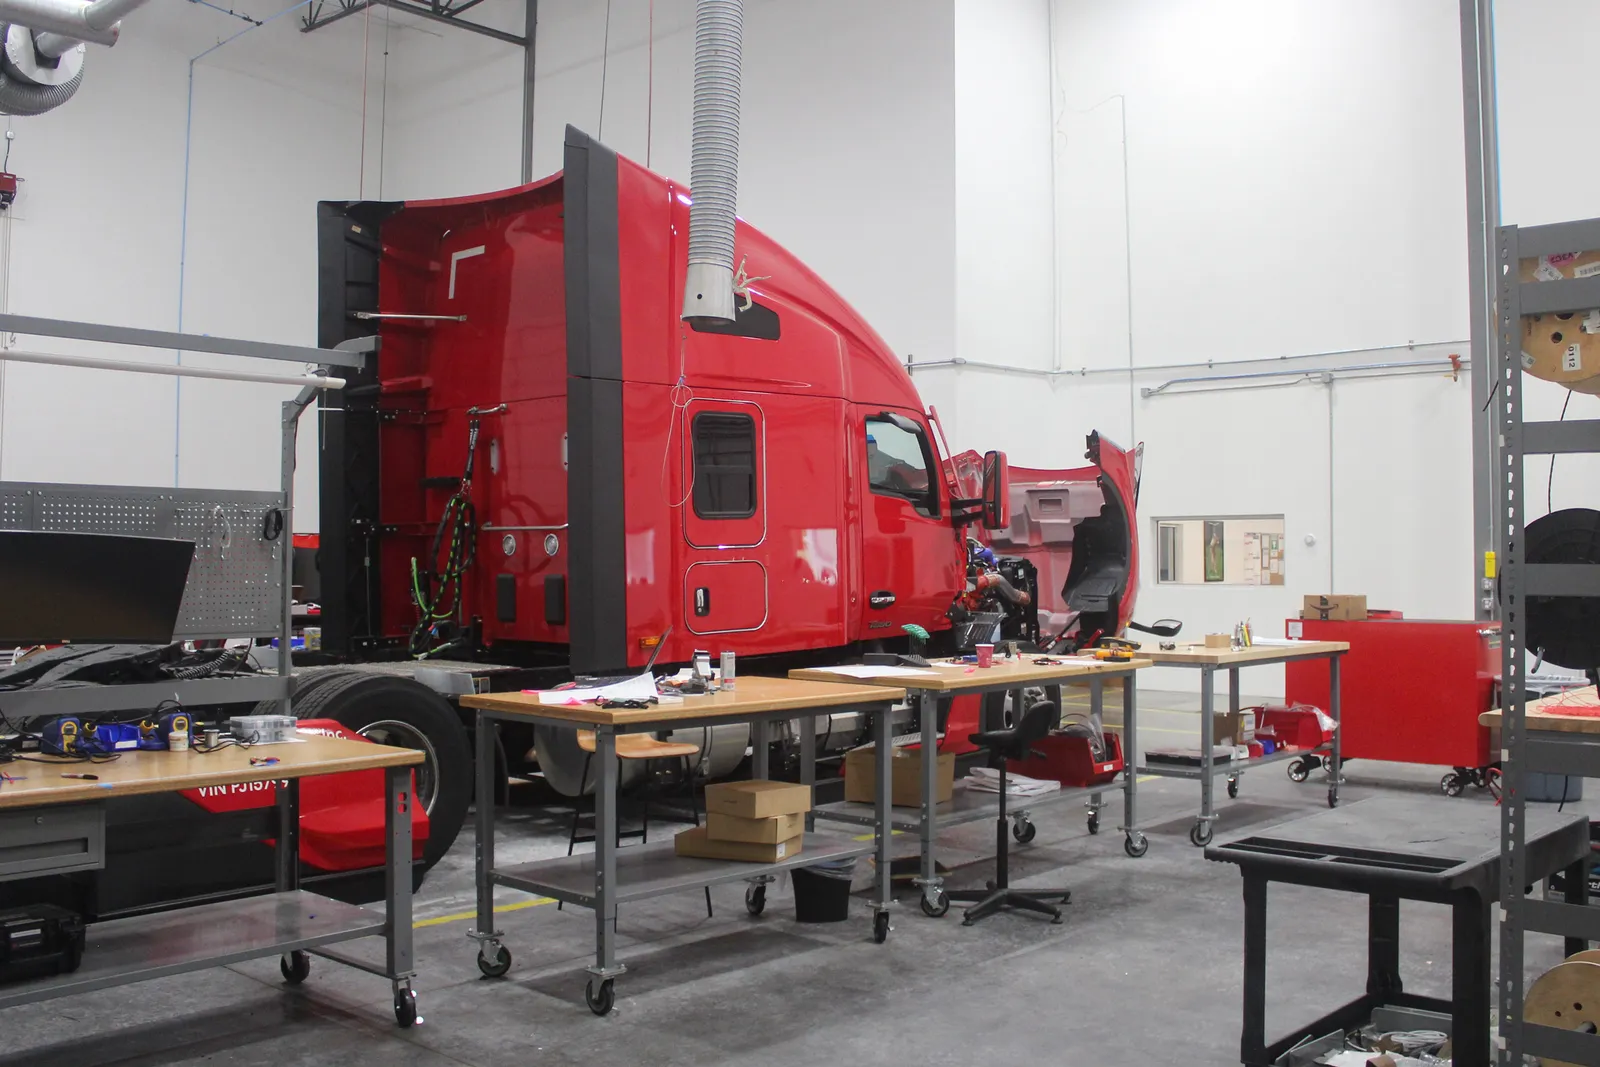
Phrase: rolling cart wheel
x=1333 y=797
x=601 y=1001
x=880 y=926
x=497 y=965
x=1451 y=784
x=1136 y=845
x=1094 y=822
x=755 y=899
x=405 y=1007
x=1200 y=834
x=296 y=967
x=1299 y=770
x=1024 y=831
x=1233 y=788
x=937 y=907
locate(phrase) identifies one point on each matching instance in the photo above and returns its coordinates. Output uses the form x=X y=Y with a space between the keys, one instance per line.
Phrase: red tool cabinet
x=1412 y=689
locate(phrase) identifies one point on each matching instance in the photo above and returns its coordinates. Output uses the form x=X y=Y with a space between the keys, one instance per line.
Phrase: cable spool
x=1567 y=628
x=1567 y=997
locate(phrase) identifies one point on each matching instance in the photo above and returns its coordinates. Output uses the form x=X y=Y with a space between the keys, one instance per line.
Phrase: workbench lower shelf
x=123 y=951
x=654 y=870
x=1232 y=765
x=965 y=805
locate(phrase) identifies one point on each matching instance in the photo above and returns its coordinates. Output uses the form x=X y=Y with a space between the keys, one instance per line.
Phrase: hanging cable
x=1550 y=485
x=650 y=85
x=366 y=53
x=605 y=64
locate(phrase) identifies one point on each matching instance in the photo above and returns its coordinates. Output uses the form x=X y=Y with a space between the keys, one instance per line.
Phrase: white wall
x=97 y=234
x=847 y=139
x=1294 y=184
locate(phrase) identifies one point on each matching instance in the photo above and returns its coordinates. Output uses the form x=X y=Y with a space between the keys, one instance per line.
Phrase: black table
x=1393 y=849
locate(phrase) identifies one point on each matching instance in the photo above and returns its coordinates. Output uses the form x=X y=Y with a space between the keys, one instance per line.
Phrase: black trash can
x=822 y=893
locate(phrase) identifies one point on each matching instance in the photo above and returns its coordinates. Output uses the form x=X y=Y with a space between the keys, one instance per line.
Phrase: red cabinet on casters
x=1412 y=691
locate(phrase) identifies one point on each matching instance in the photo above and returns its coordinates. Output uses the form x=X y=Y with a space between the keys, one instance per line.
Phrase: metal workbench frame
x=298 y=921
x=291 y=920
x=930 y=819
x=1524 y=751
x=610 y=876
x=1209 y=770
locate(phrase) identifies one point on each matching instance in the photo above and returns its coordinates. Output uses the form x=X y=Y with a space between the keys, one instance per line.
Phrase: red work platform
x=1412 y=690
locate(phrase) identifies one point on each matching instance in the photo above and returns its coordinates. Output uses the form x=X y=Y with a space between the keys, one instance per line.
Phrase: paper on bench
x=867 y=670
x=639 y=687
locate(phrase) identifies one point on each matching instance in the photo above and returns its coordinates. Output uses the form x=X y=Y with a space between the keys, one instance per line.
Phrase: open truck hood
x=1078 y=527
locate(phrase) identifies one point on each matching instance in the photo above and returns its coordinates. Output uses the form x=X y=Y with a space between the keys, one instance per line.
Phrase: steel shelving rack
x=1544 y=751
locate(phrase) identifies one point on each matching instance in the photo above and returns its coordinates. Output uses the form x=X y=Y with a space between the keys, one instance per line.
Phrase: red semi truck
x=549 y=467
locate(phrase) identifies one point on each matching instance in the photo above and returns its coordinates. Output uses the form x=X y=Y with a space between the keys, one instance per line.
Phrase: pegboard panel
x=236 y=581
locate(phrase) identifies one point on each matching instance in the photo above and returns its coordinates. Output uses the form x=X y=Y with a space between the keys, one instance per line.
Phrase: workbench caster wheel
x=1299 y=769
x=755 y=899
x=1136 y=845
x=497 y=965
x=1233 y=788
x=1094 y=822
x=1451 y=785
x=603 y=1000
x=1200 y=834
x=1333 y=798
x=938 y=907
x=295 y=967
x=405 y=1007
x=880 y=925
x=1024 y=831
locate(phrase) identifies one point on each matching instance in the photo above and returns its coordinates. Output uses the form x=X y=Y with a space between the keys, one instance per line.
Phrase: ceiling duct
x=42 y=48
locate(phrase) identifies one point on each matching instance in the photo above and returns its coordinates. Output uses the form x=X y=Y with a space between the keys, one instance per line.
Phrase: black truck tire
x=398 y=711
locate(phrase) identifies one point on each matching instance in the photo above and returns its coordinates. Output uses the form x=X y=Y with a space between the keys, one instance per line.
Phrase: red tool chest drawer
x=1411 y=690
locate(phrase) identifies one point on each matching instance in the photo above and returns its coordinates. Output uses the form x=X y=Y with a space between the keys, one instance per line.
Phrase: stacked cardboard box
x=861 y=776
x=757 y=821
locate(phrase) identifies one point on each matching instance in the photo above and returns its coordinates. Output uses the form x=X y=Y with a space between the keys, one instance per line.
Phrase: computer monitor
x=89 y=587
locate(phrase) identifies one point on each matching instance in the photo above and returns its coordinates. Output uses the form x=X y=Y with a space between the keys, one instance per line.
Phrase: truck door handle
x=881 y=599
x=702 y=601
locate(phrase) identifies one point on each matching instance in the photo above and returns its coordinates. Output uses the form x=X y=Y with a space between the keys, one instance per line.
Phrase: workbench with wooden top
x=1208 y=661
x=610 y=876
x=54 y=824
x=926 y=685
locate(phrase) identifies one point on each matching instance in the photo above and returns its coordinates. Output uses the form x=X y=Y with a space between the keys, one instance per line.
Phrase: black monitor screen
x=90 y=587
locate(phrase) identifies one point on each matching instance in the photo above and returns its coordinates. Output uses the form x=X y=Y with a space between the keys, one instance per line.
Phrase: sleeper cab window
x=724 y=465
x=897 y=462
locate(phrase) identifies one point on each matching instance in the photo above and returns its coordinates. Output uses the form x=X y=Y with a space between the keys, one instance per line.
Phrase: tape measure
x=1567 y=997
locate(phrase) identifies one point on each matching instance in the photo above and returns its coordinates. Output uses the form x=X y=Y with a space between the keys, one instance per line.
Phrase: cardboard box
x=757 y=799
x=1233 y=727
x=1564 y=348
x=905 y=787
x=1329 y=607
x=756 y=831
x=699 y=843
x=1219 y=640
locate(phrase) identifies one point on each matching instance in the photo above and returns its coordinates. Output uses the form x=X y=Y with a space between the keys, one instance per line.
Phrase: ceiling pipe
x=97 y=23
x=714 y=159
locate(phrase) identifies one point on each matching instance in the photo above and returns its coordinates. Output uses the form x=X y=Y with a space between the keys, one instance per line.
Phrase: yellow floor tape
x=440 y=920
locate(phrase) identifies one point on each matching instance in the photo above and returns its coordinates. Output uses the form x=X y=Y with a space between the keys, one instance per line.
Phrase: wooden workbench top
x=1201 y=656
x=752 y=695
x=1551 y=713
x=952 y=677
x=133 y=773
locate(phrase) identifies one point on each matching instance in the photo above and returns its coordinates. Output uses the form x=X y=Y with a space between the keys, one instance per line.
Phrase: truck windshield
x=897 y=464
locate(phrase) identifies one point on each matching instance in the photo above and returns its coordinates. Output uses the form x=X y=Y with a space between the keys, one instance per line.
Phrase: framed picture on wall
x=1213 y=543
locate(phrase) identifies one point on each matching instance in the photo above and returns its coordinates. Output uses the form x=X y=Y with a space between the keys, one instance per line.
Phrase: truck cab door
x=725 y=582
x=910 y=554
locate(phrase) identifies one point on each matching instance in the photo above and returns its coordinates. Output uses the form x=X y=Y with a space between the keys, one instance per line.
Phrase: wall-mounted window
x=1221 y=550
x=724 y=465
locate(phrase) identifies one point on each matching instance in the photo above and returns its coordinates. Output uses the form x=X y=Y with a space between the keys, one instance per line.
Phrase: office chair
x=1014 y=744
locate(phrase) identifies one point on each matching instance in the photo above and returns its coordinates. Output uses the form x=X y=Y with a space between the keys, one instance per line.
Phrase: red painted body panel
x=341 y=815
x=1410 y=690
x=793 y=576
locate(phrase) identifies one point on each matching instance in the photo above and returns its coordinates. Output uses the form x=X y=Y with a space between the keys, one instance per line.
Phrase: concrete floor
x=1146 y=970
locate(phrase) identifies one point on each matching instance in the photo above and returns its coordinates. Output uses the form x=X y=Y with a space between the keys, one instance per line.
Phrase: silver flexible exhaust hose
x=22 y=94
x=714 y=159
x=97 y=23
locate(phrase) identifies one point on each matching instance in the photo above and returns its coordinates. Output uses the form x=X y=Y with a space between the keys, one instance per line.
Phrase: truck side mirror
x=996 y=491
